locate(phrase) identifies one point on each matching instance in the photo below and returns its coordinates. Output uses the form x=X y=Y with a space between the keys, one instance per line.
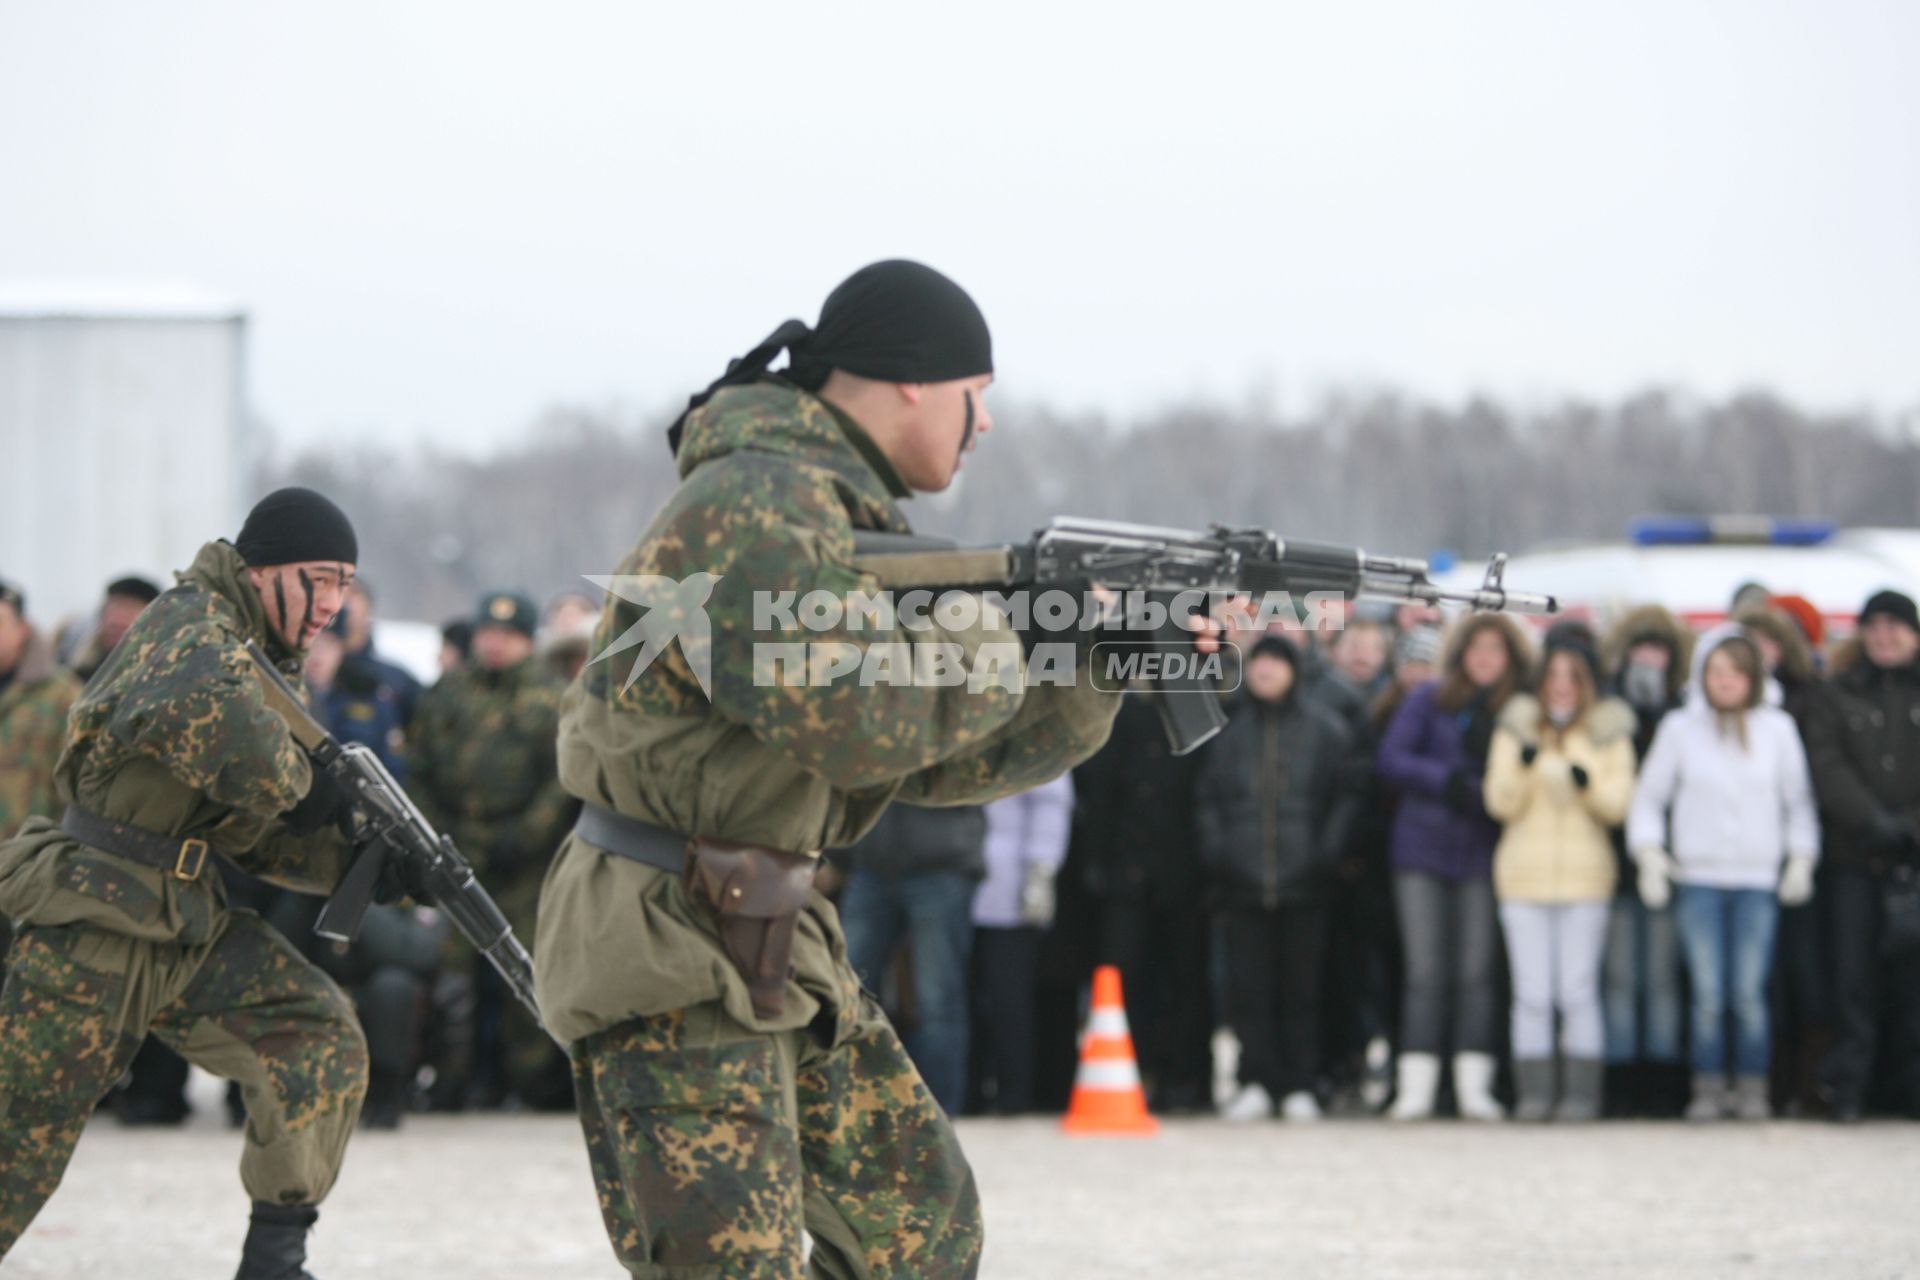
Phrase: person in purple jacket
x=1434 y=755
x=1026 y=843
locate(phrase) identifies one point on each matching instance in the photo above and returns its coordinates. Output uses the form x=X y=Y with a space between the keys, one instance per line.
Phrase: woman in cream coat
x=1559 y=777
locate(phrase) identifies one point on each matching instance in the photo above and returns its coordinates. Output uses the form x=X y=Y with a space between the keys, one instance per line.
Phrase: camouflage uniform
x=33 y=726
x=173 y=736
x=717 y=1136
x=481 y=756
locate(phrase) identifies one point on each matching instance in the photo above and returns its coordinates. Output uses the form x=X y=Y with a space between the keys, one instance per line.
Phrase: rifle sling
x=184 y=857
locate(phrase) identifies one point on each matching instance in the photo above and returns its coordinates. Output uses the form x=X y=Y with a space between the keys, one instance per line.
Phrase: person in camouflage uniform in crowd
x=35 y=696
x=481 y=751
x=172 y=746
x=720 y=1134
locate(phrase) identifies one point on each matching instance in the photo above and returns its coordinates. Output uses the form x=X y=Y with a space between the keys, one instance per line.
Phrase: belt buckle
x=195 y=847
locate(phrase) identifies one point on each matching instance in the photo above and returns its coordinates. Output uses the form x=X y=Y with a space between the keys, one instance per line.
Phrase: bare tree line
x=1391 y=472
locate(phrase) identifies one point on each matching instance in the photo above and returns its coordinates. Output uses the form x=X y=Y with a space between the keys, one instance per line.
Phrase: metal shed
x=124 y=440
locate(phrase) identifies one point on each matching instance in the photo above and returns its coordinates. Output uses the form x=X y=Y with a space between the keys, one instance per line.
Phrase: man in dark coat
x=1272 y=806
x=1863 y=745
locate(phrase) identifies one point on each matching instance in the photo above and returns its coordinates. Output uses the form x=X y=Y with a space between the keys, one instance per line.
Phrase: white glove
x=1036 y=895
x=1796 y=882
x=1656 y=876
x=1556 y=771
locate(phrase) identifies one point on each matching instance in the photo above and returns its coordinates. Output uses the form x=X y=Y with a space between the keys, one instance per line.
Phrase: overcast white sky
x=444 y=217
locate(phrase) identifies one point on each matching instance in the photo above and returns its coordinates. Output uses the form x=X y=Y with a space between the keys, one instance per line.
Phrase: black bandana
x=894 y=321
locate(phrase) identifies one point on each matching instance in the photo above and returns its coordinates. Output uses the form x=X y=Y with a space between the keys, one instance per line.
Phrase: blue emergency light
x=1700 y=531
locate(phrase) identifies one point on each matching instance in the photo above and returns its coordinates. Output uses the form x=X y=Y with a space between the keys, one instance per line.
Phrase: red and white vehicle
x=1693 y=565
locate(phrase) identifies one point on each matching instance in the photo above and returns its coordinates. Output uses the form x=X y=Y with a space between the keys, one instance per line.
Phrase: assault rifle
x=1077 y=555
x=387 y=826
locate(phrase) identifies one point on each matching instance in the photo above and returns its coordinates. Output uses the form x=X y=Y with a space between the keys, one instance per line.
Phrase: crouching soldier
x=172 y=755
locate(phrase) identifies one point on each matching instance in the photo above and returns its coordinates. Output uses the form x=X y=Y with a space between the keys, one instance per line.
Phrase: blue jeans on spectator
x=1641 y=983
x=935 y=910
x=1727 y=935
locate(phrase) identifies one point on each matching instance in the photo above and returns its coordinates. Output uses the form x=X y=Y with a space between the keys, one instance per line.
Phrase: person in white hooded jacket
x=1724 y=812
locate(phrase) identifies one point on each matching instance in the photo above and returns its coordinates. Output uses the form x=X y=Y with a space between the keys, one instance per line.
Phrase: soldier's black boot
x=276 y=1247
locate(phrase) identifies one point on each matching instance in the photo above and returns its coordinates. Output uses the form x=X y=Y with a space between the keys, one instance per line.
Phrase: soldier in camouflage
x=35 y=696
x=481 y=751
x=722 y=1127
x=171 y=754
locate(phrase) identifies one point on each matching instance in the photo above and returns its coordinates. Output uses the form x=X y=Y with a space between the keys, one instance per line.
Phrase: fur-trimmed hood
x=1606 y=720
x=1796 y=656
x=1655 y=623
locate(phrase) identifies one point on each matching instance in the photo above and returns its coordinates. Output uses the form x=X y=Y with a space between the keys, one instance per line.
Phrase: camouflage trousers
x=715 y=1147
x=246 y=1005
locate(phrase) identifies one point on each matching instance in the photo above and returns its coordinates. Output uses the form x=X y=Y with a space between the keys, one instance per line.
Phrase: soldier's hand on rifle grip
x=392 y=885
x=326 y=803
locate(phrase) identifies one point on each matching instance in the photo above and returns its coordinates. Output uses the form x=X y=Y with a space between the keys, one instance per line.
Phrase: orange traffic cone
x=1106 y=1093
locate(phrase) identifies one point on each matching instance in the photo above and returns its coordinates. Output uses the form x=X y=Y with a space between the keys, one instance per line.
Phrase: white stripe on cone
x=1107 y=1074
x=1107 y=1022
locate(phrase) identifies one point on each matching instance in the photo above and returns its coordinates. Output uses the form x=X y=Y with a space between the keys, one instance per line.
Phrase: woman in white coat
x=1724 y=811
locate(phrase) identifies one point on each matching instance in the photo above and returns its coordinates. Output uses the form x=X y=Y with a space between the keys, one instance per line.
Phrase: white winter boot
x=1300 y=1106
x=1252 y=1103
x=1416 y=1078
x=1473 y=1087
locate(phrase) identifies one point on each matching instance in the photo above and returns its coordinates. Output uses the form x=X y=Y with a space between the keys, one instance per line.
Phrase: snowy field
x=492 y=1197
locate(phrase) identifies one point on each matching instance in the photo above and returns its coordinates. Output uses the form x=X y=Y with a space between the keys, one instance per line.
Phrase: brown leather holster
x=755 y=894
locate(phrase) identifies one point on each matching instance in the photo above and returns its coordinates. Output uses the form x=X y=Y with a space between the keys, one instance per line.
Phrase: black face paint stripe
x=306 y=614
x=280 y=601
x=966 y=436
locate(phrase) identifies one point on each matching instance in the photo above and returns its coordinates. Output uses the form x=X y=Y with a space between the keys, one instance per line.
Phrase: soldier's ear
x=911 y=392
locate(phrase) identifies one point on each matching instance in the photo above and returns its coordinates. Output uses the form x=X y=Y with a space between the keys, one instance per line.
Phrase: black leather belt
x=184 y=857
x=631 y=838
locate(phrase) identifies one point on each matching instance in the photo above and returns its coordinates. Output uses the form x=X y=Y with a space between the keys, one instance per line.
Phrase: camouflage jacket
x=173 y=735
x=33 y=727
x=773 y=483
x=480 y=764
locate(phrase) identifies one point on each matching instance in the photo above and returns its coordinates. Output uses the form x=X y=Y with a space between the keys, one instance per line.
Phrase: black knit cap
x=1894 y=604
x=1275 y=645
x=894 y=321
x=295 y=525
